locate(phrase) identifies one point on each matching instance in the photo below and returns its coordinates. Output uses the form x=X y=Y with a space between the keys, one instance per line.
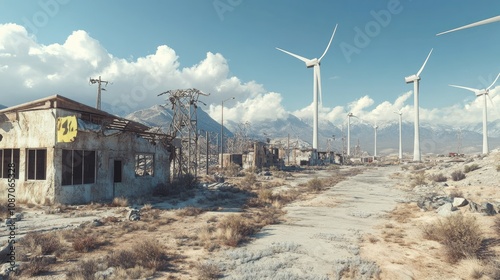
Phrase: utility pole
x=99 y=88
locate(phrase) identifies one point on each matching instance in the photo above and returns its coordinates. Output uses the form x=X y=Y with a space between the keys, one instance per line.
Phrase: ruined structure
x=68 y=152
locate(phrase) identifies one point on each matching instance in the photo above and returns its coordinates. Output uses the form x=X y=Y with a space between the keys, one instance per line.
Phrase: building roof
x=108 y=120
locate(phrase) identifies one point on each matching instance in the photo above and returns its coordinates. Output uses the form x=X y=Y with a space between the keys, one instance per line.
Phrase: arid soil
x=362 y=222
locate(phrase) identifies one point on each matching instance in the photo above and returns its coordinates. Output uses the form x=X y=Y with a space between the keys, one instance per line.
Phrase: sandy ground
x=318 y=232
x=370 y=221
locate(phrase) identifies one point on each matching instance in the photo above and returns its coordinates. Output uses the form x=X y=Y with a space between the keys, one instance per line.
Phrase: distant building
x=68 y=152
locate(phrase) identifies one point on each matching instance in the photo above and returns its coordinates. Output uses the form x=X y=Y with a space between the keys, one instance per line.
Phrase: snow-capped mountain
x=434 y=138
x=161 y=116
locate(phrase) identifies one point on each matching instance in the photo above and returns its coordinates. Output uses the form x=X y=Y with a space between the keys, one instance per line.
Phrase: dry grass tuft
x=119 y=202
x=189 y=211
x=233 y=229
x=459 y=234
x=83 y=270
x=208 y=271
x=439 y=178
x=457 y=175
x=470 y=168
x=85 y=243
x=315 y=185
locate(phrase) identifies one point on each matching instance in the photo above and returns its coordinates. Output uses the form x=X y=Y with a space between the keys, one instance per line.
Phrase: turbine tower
x=414 y=79
x=400 y=136
x=349 y=133
x=314 y=63
x=375 y=127
x=484 y=92
x=486 y=21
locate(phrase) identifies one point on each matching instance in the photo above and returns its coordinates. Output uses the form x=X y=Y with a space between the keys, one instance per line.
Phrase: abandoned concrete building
x=67 y=152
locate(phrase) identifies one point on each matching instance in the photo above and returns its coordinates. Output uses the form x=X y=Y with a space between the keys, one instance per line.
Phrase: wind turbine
x=414 y=79
x=484 y=92
x=400 y=132
x=486 y=21
x=315 y=64
x=375 y=127
x=349 y=133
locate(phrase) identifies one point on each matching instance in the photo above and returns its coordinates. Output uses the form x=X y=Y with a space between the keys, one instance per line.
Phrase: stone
x=459 y=202
x=18 y=216
x=134 y=215
x=9 y=222
x=446 y=210
x=106 y=274
x=47 y=259
x=488 y=209
x=97 y=223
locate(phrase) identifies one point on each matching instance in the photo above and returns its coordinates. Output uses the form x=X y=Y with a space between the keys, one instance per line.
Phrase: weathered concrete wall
x=122 y=146
x=37 y=129
x=30 y=130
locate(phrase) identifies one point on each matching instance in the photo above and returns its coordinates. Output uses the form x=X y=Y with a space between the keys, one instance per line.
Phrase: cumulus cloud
x=30 y=70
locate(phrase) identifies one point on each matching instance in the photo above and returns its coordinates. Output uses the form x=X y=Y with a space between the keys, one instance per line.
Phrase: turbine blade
x=294 y=55
x=425 y=62
x=467 y=88
x=317 y=76
x=493 y=82
x=486 y=21
x=327 y=47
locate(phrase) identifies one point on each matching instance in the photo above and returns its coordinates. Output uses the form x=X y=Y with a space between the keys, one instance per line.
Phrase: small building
x=67 y=152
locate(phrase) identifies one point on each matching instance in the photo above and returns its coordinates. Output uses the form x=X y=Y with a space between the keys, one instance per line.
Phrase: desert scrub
x=469 y=168
x=457 y=175
x=418 y=179
x=119 y=202
x=438 y=178
x=315 y=185
x=189 y=211
x=249 y=180
x=233 y=229
x=356 y=269
x=496 y=225
x=208 y=271
x=460 y=235
x=232 y=170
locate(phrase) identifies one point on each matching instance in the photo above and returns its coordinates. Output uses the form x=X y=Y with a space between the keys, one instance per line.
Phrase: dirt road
x=320 y=235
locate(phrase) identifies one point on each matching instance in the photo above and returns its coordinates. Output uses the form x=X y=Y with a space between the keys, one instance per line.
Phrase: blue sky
x=245 y=33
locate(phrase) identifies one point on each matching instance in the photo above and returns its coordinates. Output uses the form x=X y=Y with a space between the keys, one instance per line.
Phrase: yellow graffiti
x=66 y=129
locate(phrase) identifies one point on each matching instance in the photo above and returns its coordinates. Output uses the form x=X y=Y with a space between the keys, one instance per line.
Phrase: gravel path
x=321 y=235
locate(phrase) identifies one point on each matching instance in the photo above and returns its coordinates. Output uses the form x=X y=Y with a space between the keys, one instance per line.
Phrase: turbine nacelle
x=313 y=62
x=411 y=79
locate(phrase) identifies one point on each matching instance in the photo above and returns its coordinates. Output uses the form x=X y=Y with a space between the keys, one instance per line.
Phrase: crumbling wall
x=30 y=130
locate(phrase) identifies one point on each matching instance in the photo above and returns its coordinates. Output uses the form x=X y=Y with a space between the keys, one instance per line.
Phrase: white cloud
x=31 y=70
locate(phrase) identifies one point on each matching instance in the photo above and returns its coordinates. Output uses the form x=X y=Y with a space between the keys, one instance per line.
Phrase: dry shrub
x=249 y=180
x=232 y=170
x=459 y=234
x=356 y=269
x=119 y=202
x=148 y=254
x=110 y=219
x=315 y=185
x=4 y=210
x=267 y=216
x=233 y=229
x=189 y=211
x=85 y=243
x=418 y=179
x=265 y=195
x=35 y=266
x=83 y=270
x=439 y=178
x=457 y=175
x=147 y=207
x=496 y=225
x=122 y=258
x=456 y=193
x=208 y=271
x=469 y=168
x=41 y=243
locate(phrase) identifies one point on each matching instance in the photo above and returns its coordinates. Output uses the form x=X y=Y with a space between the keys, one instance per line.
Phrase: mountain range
x=436 y=139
